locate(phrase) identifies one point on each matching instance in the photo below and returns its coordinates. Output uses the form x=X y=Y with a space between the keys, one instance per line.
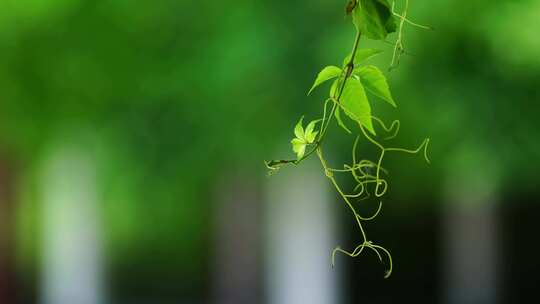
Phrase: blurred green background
x=167 y=100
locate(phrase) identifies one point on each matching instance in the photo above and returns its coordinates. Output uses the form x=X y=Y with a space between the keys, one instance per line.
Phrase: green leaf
x=355 y=103
x=310 y=137
x=309 y=134
x=299 y=147
x=374 y=19
x=337 y=114
x=310 y=127
x=298 y=129
x=327 y=73
x=361 y=55
x=375 y=82
x=303 y=137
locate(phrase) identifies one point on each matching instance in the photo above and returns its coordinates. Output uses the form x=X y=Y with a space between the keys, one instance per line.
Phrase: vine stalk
x=361 y=170
x=349 y=67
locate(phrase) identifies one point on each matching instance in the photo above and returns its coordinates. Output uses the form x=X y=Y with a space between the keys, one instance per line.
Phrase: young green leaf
x=361 y=55
x=375 y=82
x=327 y=73
x=298 y=129
x=374 y=19
x=303 y=137
x=356 y=105
x=299 y=147
x=309 y=135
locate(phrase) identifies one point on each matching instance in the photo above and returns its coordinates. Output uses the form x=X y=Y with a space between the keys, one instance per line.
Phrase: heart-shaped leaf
x=375 y=82
x=374 y=19
x=327 y=73
x=355 y=103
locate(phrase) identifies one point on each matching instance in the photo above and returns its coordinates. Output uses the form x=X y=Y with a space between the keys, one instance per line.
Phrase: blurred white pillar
x=72 y=264
x=471 y=230
x=301 y=233
x=237 y=227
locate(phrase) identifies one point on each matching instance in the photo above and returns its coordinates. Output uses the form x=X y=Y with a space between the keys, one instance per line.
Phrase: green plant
x=373 y=19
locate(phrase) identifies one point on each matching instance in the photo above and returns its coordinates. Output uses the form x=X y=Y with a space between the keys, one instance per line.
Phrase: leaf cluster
x=303 y=137
x=354 y=101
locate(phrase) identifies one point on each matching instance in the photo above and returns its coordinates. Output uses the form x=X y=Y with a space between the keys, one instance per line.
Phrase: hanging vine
x=351 y=83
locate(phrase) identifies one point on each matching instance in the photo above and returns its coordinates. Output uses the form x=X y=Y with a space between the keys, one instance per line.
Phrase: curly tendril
x=398 y=44
x=364 y=178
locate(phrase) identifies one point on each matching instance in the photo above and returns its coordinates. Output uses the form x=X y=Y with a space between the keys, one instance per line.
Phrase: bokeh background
x=133 y=134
